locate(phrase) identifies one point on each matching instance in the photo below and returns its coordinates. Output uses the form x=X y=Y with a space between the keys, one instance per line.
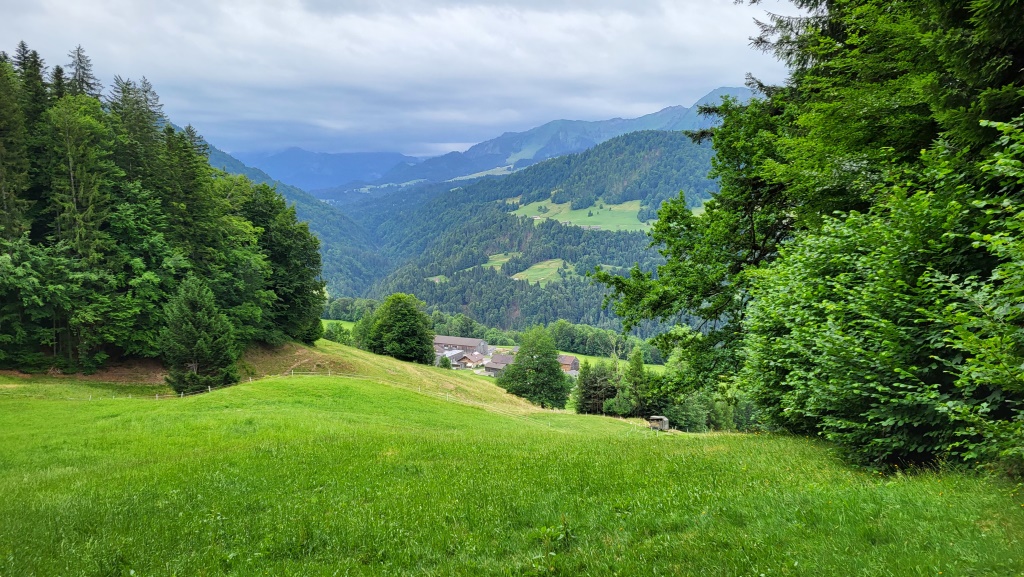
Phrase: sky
x=421 y=77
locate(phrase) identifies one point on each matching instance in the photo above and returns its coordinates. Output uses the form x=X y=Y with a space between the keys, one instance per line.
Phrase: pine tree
x=198 y=342
x=82 y=80
x=13 y=158
x=58 y=83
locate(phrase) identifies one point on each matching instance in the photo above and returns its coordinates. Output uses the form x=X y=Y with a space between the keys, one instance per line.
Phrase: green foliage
x=445 y=363
x=338 y=334
x=105 y=207
x=536 y=374
x=399 y=328
x=198 y=342
x=882 y=331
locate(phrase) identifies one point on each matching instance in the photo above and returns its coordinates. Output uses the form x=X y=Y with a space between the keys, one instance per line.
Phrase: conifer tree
x=58 y=83
x=13 y=159
x=82 y=80
x=198 y=342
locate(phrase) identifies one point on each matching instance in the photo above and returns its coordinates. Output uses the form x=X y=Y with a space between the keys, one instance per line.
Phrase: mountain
x=458 y=247
x=312 y=171
x=516 y=150
x=351 y=261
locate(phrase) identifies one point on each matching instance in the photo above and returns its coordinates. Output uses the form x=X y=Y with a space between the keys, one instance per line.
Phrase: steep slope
x=351 y=261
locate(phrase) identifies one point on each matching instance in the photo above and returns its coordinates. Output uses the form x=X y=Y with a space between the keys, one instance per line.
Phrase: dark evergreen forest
x=105 y=208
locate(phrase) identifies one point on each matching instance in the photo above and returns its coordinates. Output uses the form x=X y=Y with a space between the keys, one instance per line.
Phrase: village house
x=446 y=343
x=570 y=364
x=497 y=364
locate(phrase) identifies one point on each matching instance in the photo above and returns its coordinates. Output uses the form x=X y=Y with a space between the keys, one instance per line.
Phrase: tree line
x=859 y=272
x=106 y=210
x=577 y=338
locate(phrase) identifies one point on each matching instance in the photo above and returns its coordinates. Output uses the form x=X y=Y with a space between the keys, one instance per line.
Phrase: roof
x=566 y=359
x=495 y=366
x=455 y=355
x=475 y=357
x=458 y=341
x=502 y=360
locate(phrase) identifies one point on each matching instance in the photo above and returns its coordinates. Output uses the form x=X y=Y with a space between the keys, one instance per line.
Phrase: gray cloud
x=414 y=76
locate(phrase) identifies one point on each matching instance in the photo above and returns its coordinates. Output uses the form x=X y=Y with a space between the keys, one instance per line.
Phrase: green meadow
x=385 y=468
x=542 y=272
x=607 y=216
x=496 y=260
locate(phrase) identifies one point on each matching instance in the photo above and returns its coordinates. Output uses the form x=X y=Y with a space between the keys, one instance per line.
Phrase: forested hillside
x=107 y=213
x=351 y=260
x=861 y=272
x=448 y=231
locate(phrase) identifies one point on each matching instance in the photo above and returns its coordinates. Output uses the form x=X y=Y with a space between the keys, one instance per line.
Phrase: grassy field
x=408 y=470
x=623 y=363
x=496 y=260
x=611 y=217
x=542 y=272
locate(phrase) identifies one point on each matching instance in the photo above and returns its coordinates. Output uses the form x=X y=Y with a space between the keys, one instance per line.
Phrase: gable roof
x=458 y=341
x=566 y=359
x=502 y=360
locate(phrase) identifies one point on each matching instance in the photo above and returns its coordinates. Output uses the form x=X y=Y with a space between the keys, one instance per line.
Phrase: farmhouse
x=569 y=364
x=446 y=343
x=497 y=364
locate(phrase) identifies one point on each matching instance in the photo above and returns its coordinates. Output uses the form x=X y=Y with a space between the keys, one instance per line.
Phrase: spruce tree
x=13 y=157
x=82 y=81
x=198 y=342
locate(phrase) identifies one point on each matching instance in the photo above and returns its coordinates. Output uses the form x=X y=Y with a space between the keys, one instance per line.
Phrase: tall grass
x=335 y=476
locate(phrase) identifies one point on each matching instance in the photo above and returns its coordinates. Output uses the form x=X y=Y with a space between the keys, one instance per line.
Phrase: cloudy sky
x=416 y=76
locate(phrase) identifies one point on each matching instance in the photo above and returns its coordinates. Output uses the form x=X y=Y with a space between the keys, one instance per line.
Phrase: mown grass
x=543 y=272
x=607 y=216
x=380 y=474
x=496 y=260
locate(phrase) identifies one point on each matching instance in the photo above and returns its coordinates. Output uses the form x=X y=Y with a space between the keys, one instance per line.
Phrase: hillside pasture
x=410 y=470
x=610 y=217
x=496 y=260
x=543 y=272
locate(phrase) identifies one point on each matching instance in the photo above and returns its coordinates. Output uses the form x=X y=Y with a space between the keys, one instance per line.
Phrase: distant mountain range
x=338 y=176
x=312 y=171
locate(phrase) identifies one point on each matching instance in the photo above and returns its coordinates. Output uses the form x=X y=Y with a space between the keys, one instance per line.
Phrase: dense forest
x=859 y=274
x=106 y=209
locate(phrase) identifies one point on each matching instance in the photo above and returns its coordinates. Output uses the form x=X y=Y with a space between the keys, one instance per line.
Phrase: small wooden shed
x=658 y=423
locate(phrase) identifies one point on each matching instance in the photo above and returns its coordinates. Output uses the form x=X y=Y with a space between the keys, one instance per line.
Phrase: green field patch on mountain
x=543 y=272
x=601 y=216
x=496 y=260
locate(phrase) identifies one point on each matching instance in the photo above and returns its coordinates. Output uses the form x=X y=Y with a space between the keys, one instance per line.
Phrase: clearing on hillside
x=602 y=216
x=544 y=272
